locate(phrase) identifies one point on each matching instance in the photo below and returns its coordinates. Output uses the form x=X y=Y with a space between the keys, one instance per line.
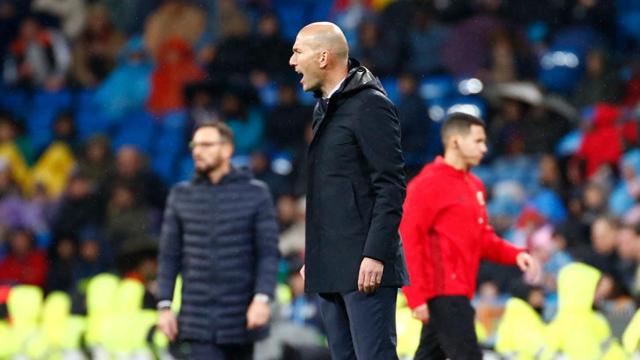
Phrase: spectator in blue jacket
x=220 y=233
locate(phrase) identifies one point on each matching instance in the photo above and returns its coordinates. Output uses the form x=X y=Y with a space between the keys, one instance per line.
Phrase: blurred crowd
x=98 y=99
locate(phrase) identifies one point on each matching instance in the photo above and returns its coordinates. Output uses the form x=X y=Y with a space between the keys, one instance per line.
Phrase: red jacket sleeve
x=498 y=250
x=494 y=248
x=414 y=229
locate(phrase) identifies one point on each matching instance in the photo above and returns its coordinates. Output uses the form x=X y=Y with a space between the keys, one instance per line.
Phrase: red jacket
x=603 y=143
x=445 y=233
x=30 y=270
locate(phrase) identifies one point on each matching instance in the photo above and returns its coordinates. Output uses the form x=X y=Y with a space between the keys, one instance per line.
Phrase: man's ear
x=323 y=59
x=228 y=150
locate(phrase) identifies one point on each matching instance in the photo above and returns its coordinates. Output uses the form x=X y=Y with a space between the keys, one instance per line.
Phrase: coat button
x=480 y=220
x=453 y=276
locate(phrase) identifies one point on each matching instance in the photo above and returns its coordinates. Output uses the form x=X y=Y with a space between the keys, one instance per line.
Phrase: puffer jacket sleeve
x=266 y=245
x=170 y=252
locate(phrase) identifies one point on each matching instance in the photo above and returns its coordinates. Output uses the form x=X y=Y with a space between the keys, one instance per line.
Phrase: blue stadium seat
x=561 y=69
x=185 y=168
x=629 y=24
x=137 y=129
x=268 y=95
x=89 y=119
x=306 y=98
x=43 y=110
x=437 y=87
x=390 y=85
x=168 y=145
x=15 y=100
x=165 y=165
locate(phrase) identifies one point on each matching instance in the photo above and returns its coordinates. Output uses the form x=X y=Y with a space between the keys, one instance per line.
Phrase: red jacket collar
x=441 y=165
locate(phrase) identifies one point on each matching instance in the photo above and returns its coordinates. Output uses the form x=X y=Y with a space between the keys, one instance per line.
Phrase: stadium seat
x=89 y=119
x=24 y=306
x=100 y=298
x=185 y=168
x=436 y=87
x=390 y=85
x=137 y=129
x=45 y=106
x=168 y=145
x=61 y=331
x=15 y=100
x=520 y=318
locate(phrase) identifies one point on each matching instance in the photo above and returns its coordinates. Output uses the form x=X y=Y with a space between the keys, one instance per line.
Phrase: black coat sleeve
x=378 y=134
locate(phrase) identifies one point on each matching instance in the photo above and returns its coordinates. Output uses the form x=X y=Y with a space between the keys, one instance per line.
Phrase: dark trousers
x=450 y=332
x=360 y=326
x=203 y=350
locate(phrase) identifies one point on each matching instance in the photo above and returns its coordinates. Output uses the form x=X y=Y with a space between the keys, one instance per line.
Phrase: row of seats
x=115 y=324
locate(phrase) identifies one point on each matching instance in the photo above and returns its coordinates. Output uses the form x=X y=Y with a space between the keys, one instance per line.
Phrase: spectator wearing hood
x=522 y=314
x=55 y=165
x=127 y=87
x=176 y=68
x=577 y=331
x=174 y=19
x=602 y=144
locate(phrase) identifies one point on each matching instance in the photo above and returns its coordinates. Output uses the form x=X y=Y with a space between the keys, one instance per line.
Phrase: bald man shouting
x=355 y=191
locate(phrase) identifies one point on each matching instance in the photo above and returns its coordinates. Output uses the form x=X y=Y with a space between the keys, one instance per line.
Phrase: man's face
x=473 y=145
x=209 y=150
x=305 y=61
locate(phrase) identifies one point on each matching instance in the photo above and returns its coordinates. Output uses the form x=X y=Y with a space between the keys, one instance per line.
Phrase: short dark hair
x=225 y=131
x=459 y=123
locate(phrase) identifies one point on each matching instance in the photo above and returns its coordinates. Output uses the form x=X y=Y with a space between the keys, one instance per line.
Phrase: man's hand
x=302 y=272
x=421 y=313
x=257 y=314
x=167 y=323
x=370 y=275
x=529 y=265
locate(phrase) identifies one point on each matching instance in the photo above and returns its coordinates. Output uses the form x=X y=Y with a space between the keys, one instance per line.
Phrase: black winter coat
x=355 y=187
x=223 y=239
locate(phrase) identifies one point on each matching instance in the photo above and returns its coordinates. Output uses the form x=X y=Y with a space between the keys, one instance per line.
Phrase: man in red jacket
x=445 y=232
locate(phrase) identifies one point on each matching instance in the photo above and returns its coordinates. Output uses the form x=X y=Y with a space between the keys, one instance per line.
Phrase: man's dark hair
x=225 y=131
x=459 y=123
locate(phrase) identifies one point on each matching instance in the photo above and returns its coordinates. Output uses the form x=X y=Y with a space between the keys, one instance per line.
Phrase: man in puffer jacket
x=220 y=233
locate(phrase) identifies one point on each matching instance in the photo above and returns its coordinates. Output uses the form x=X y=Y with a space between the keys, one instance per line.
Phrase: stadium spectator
x=128 y=223
x=71 y=13
x=96 y=49
x=415 y=124
x=96 y=159
x=127 y=87
x=24 y=263
x=173 y=19
x=176 y=68
x=286 y=123
x=131 y=168
x=38 y=58
x=79 y=206
x=63 y=260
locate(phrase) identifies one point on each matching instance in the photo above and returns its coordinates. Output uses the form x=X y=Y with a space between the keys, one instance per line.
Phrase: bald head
x=321 y=56
x=326 y=36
